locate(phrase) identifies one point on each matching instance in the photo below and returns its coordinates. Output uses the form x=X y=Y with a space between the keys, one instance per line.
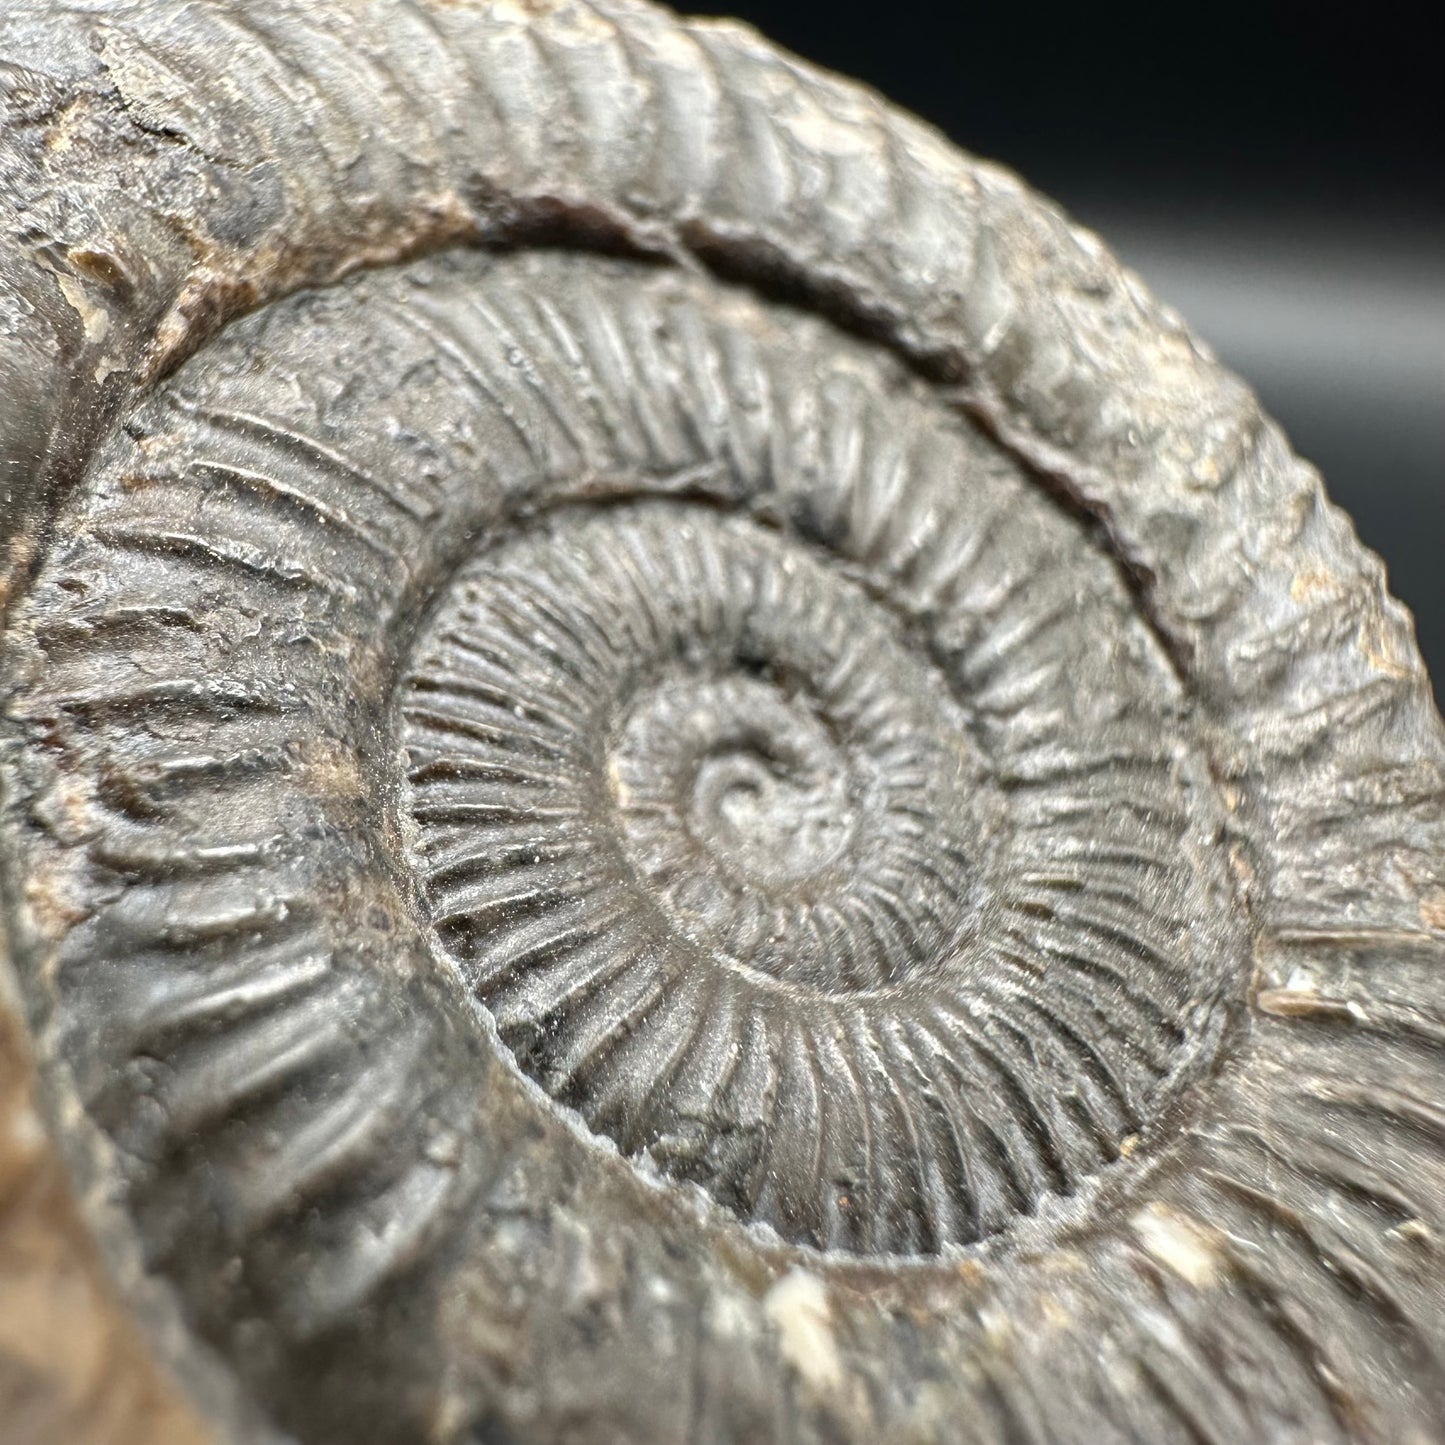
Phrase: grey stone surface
x=674 y=770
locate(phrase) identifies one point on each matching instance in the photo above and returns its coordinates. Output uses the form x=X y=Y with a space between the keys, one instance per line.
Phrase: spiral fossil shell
x=673 y=770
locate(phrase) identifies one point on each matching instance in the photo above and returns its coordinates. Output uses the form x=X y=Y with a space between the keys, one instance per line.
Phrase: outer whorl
x=675 y=771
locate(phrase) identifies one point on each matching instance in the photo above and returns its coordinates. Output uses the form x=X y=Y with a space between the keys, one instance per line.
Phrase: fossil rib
x=674 y=770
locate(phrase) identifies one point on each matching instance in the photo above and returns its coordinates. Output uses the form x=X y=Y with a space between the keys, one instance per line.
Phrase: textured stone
x=673 y=769
x=73 y=1366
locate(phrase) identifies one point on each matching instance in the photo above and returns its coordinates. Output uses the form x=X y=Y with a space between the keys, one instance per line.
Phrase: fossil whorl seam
x=564 y=814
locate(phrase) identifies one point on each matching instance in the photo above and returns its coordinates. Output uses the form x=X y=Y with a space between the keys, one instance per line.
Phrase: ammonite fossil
x=673 y=771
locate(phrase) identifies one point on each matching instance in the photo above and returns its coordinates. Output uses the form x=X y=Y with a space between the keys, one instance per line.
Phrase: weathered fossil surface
x=673 y=770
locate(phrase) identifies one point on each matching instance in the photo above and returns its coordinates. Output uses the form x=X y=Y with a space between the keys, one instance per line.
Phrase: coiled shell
x=675 y=771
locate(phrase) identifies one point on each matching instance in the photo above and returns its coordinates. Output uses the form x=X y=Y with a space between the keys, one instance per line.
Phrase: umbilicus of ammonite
x=673 y=770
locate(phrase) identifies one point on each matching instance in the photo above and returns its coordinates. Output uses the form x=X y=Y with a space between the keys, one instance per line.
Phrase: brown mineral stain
x=972 y=1272
x=1432 y=911
x=327 y=768
x=52 y=915
x=74 y=1369
x=66 y=127
x=1296 y=1003
x=1241 y=867
x=1312 y=583
x=105 y=268
x=1378 y=644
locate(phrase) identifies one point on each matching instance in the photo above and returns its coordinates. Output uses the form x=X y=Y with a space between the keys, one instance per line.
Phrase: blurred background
x=1274 y=170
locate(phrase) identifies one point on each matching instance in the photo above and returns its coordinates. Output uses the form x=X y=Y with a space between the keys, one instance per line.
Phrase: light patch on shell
x=1178 y=1243
x=1432 y=910
x=22 y=1136
x=1416 y=1231
x=95 y=319
x=797 y=1307
x=1300 y=996
x=1314 y=582
x=1381 y=646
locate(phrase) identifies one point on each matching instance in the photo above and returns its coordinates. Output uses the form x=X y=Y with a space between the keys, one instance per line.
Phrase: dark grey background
x=1274 y=170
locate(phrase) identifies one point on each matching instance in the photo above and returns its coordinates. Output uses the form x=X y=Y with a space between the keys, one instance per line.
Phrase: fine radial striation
x=672 y=769
x=734 y=758
x=706 y=822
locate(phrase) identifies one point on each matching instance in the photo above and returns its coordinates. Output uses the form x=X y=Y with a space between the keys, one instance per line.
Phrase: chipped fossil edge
x=74 y=1367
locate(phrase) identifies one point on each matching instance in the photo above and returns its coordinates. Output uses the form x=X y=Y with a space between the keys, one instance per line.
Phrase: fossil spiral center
x=709 y=831
x=831 y=836
x=749 y=803
x=825 y=836
x=752 y=777
x=730 y=743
